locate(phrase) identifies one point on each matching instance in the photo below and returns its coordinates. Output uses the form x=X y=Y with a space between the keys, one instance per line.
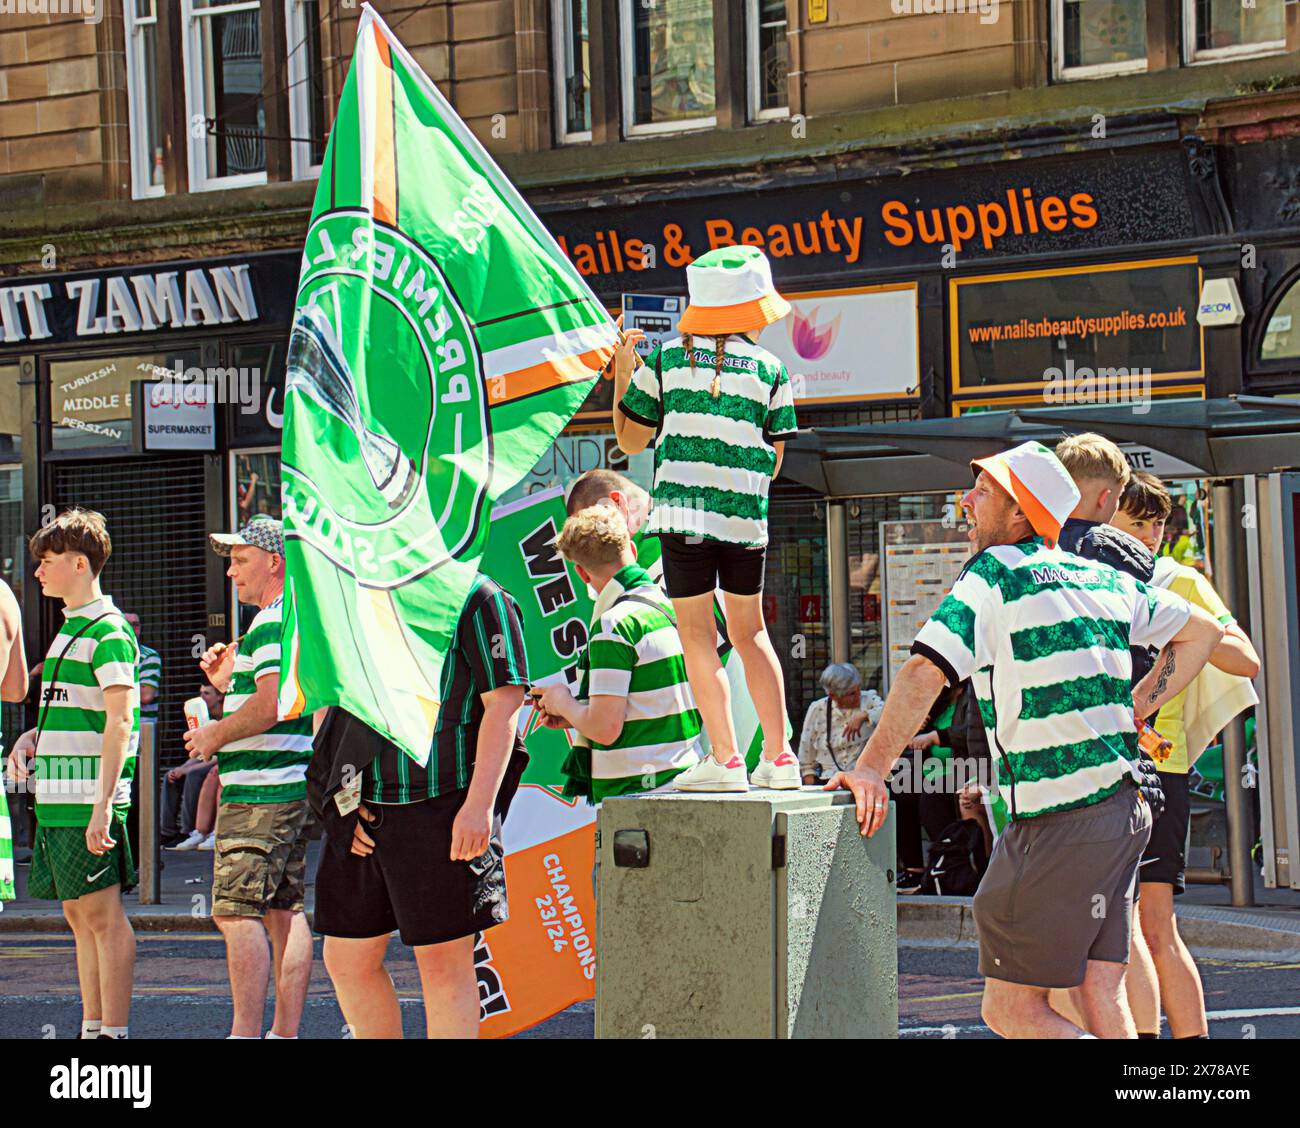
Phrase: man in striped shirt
x=85 y=740
x=260 y=863
x=149 y=672
x=1045 y=637
x=634 y=711
x=425 y=855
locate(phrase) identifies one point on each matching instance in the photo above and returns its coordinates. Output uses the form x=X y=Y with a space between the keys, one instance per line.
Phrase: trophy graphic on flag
x=318 y=368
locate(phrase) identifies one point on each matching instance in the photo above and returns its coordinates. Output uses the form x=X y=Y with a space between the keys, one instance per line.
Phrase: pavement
x=182 y=992
x=1208 y=922
x=1249 y=961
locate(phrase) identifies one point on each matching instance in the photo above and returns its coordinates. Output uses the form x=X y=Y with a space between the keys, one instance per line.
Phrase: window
x=223 y=71
x=90 y=398
x=1233 y=29
x=768 y=52
x=145 y=105
x=307 y=109
x=254 y=490
x=668 y=68
x=11 y=419
x=1093 y=38
x=572 y=52
x=1281 y=339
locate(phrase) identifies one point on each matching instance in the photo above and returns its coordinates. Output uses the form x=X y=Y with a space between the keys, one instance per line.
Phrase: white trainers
x=709 y=775
x=781 y=774
x=190 y=843
x=209 y=843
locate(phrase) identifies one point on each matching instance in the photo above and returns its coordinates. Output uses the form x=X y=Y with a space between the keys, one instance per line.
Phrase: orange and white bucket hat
x=731 y=291
x=1041 y=485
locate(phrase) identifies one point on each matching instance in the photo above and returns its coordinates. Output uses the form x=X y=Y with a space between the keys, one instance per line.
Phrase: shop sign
x=926 y=220
x=176 y=415
x=1086 y=335
x=92 y=404
x=845 y=346
x=100 y=306
x=655 y=315
x=1158 y=463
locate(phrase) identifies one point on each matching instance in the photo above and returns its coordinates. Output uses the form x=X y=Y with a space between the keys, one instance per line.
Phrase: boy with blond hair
x=634 y=712
x=1100 y=471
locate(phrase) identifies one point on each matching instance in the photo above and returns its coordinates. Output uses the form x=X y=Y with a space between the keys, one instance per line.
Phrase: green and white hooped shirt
x=635 y=652
x=150 y=673
x=714 y=455
x=270 y=767
x=1044 y=635
x=7 y=892
x=71 y=739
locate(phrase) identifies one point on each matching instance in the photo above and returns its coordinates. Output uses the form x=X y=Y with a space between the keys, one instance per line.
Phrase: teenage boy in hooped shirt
x=1045 y=635
x=634 y=708
x=85 y=741
x=609 y=487
x=718 y=409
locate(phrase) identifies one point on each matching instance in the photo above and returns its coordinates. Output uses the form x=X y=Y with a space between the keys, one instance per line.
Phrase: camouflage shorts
x=261 y=858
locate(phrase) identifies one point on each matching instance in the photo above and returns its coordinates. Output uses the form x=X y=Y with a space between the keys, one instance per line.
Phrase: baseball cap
x=1042 y=487
x=261 y=532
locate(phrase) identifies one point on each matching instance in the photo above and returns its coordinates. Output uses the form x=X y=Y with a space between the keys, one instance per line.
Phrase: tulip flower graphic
x=811 y=341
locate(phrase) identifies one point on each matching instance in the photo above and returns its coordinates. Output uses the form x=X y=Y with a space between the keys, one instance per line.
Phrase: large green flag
x=441 y=341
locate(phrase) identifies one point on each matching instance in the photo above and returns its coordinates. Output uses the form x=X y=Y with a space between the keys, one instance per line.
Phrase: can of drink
x=196 y=712
x=1158 y=747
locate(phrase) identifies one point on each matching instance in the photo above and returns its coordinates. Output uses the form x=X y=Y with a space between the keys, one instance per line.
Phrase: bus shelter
x=1244 y=454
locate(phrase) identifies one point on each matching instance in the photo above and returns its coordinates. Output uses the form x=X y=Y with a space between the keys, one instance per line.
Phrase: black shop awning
x=1216 y=438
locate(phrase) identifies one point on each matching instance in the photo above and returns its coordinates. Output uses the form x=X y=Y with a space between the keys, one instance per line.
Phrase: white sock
x=242 y=1038
x=90 y=1027
x=271 y=1034
x=1083 y=1036
x=113 y=1032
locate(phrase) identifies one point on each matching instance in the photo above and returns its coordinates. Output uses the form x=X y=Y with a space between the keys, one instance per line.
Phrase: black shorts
x=1165 y=859
x=409 y=883
x=698 y=566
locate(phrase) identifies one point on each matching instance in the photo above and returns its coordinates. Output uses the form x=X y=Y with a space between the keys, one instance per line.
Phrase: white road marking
x=1213 y=1016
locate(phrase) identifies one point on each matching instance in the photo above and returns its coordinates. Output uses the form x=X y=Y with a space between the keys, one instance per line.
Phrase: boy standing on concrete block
x=634 y=711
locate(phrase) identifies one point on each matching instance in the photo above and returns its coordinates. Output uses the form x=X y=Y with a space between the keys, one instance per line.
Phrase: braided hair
x=719 y=353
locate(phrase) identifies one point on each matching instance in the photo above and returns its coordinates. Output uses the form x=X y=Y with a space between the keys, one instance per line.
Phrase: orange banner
x=543 y=959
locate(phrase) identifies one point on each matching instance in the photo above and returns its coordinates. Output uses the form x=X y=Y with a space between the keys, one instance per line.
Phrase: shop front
x=1052 y=279
x=132 y=384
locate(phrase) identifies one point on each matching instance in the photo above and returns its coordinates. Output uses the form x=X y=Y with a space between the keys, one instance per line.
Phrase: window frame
x=1257 y=363
x=1062 y=73
x=299 y=78
x=137 y=105
x=191 y=45
x=560 y=10
x=752 y=68
x=1242 y=51
x=627 y=92
x=232 y=513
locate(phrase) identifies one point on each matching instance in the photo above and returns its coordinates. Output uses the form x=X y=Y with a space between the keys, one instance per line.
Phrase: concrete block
x=759 y=915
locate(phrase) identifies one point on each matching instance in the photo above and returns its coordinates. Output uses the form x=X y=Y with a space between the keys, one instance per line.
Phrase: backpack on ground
x=957 y=861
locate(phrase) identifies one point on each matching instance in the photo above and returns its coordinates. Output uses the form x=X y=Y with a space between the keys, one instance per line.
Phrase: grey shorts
x=1059 y=892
